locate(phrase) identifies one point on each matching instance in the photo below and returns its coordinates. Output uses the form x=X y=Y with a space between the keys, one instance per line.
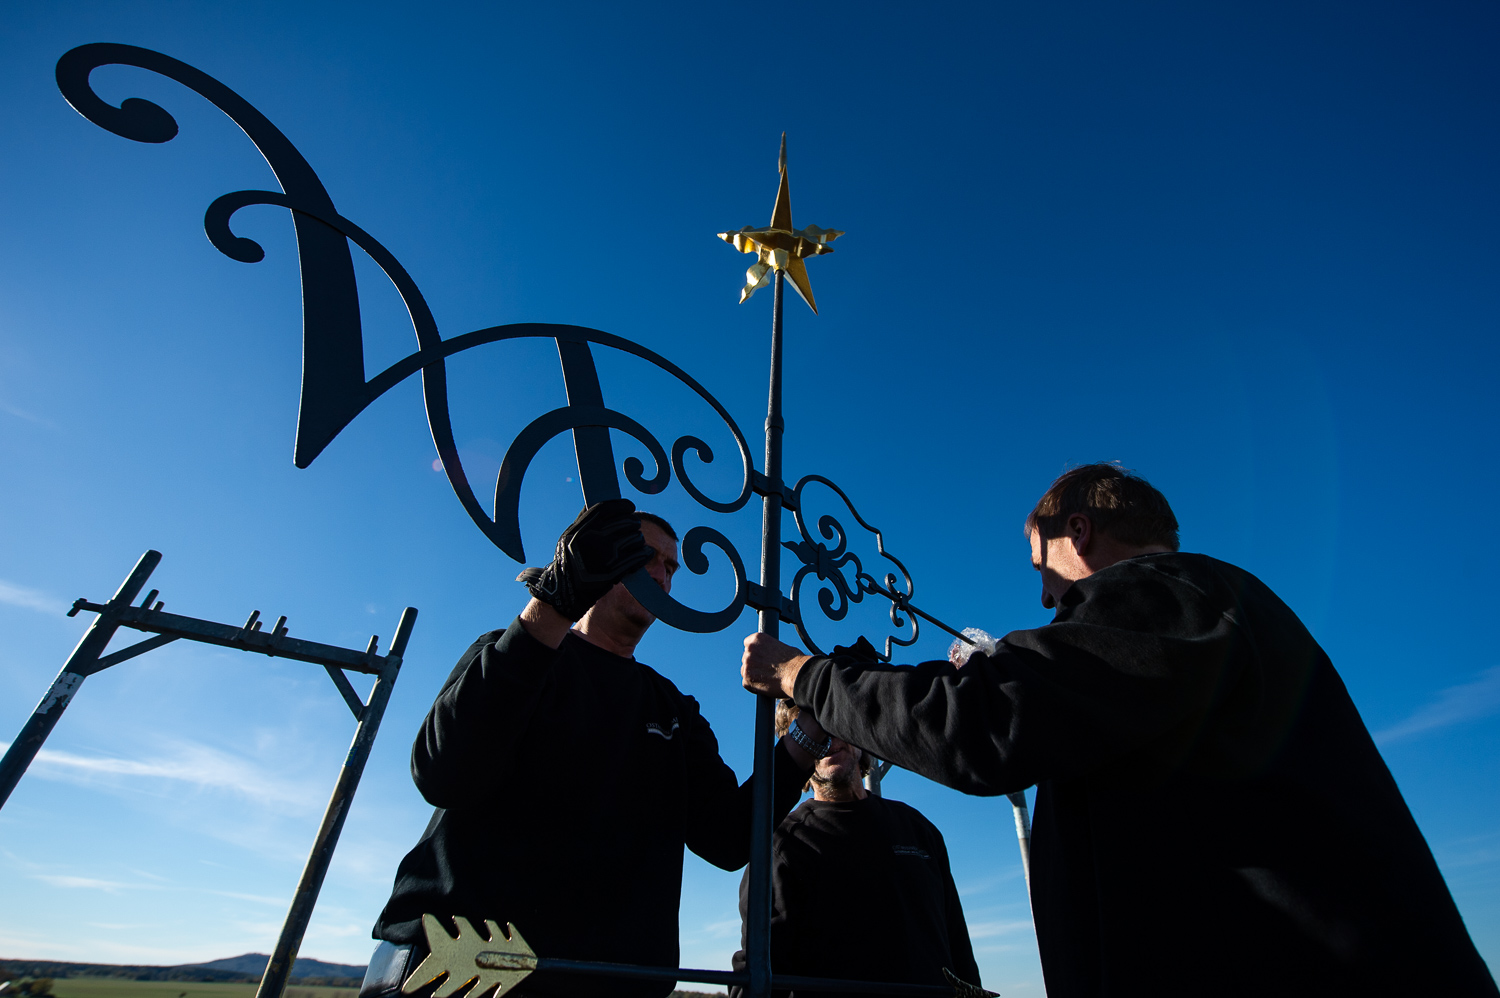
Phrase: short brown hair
x=1120 y=504
x=666 y=527
x=786 y=712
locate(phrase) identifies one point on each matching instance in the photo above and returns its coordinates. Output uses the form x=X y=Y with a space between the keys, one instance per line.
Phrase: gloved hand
x=861 y=649
x=603 y=545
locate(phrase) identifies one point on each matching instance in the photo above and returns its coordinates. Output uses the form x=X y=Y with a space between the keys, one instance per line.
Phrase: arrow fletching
x=498 y=961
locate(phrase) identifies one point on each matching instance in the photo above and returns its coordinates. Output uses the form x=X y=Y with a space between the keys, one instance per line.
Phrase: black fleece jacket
x=1212 y=817
x=861 y=891
x=567 y=783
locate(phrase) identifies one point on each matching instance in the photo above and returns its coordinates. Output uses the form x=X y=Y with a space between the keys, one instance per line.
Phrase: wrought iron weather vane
x=335 y=391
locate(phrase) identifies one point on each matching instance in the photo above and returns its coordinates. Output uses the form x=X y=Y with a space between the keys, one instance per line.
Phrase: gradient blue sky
x=1248 y=249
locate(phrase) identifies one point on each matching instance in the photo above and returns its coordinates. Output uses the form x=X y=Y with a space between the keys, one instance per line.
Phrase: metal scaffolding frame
x=88 y=659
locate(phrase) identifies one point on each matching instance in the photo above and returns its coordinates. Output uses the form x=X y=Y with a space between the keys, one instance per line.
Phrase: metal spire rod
x=758 y=906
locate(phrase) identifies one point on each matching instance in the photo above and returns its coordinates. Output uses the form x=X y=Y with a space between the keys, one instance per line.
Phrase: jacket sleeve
x=718 y=816
x=1133 y=656
x=482 y=714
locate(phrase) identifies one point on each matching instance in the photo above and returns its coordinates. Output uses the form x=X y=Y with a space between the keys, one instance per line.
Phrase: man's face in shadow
x=619 y=607
x=1059 y=561
x=837 y=775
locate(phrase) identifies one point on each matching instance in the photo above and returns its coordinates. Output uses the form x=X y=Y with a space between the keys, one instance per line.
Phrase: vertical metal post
x=79 y=666
x=1023 y=834
x=279 y=968
x=758 y=906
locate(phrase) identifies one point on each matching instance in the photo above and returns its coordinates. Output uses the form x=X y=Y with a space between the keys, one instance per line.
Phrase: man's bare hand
x=770 y=666
x=544 y=623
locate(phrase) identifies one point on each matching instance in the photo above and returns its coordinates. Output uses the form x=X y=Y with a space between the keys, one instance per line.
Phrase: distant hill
x=245 y=968
x=59 y=968
x=254 y=964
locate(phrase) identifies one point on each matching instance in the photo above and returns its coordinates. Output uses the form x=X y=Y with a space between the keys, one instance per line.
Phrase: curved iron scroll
x=333 y=376
x=335 y=389
x=832 y=565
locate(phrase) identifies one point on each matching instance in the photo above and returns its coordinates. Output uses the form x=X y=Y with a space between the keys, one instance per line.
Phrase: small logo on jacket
x=652 y=728
x=910 y=851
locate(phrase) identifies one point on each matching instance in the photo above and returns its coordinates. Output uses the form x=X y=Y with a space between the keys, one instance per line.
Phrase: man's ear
x=1080 y=530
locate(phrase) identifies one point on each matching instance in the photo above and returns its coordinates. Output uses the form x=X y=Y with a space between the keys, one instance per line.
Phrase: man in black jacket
x=861 y=888
x=568 y=776
x=1212 y=817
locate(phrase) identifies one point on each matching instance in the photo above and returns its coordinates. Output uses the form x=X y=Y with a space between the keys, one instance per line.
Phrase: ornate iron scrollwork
x=840 y=572
x=335 y=390
x=334 y=387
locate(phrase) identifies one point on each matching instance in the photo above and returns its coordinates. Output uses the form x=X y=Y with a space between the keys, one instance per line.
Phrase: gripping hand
x=603 y=545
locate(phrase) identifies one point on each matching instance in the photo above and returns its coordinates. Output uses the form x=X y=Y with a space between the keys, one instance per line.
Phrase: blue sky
x=1247 y=249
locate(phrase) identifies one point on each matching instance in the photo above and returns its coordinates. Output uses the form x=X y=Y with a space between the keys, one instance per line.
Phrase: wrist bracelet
x=815 y=749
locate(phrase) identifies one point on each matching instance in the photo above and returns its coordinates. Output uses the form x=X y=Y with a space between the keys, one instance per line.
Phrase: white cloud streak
x=88 y=883
x=39 y=947
x=729 y=928
x=30 y=599
x=183 y=762
x=28 y=416
x=1454 y=705
x=987 y=930
x=984 y=884
x=256 y=898
x=75 y=882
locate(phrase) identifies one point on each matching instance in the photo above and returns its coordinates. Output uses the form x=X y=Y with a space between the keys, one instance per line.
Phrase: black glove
x=603 y=545
x=861 y=650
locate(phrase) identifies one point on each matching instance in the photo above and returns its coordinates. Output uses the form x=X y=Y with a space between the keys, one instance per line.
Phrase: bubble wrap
x=959 y=651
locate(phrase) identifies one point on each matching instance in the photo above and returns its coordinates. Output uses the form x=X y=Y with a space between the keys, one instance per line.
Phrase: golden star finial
x=779 y=246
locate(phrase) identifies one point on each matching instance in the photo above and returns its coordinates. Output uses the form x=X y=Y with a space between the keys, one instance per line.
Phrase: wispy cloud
x=1454 y=705
x=970 y=888
x=342 y=930
x=256 y=898
x=30 y=599
x=154 y=883
x=28 y=416
x=88 y=883
x=986 y=930
x=184 y=762
x=729 y=928
x=1006 y=948
x=38 y=945
x=1474 y=850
